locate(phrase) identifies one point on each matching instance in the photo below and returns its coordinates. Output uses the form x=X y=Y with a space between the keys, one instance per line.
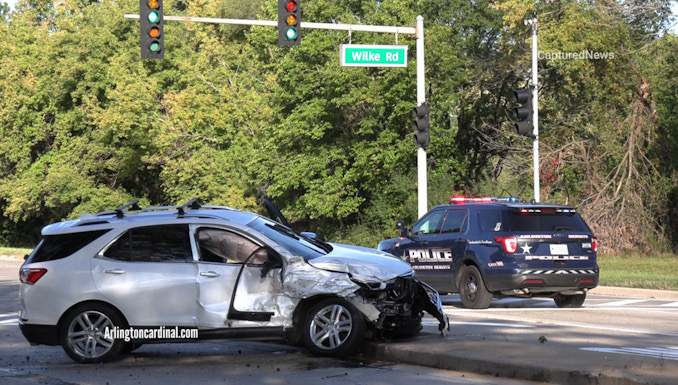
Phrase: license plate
x=559 y=250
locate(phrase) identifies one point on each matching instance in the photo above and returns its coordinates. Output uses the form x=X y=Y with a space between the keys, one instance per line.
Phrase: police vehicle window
x=223 y=246
x=455 y=221
x=430 y=224
x=60 y=246
x=490 y=220
x=164 y=243
x=546 y=220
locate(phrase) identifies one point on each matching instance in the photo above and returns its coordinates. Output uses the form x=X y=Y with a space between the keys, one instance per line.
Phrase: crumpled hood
x=364 y=264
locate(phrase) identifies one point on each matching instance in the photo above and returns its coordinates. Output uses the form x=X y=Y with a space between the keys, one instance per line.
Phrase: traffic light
x=289 y=22
x=524 y=112
x=421 y=125
x=151 y=29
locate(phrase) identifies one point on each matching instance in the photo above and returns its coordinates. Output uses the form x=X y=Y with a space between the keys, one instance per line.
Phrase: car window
x=163 y=243
x=490 y=220
x=455 y=221
x=54 y=247
x=217 y=245
x=288 y=239
x=430 y=223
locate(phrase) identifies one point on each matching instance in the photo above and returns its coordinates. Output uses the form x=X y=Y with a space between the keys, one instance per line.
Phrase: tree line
x=230 y=117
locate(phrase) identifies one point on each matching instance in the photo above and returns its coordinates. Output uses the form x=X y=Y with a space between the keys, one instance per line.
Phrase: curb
x=504 y=360
x=633 y=292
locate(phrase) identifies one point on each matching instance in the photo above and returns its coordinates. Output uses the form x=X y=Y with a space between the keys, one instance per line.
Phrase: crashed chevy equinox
x=210 y=272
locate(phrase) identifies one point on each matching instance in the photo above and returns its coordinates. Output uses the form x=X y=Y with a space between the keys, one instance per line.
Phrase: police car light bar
x=463 y=199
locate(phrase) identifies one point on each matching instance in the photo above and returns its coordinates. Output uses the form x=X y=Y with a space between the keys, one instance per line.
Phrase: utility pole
x=535 y=108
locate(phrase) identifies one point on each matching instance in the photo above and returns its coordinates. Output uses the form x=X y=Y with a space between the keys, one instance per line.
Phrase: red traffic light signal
x=151 y=29
x=289 y=22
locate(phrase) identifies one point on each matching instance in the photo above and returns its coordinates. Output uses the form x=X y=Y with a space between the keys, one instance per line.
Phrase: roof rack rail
x=120 y=211
x=181 y=210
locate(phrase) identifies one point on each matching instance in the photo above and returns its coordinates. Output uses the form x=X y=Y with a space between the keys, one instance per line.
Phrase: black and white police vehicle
x=484 y=248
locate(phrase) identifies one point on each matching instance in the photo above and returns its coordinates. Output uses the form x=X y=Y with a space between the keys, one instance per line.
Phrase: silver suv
x=215 y=272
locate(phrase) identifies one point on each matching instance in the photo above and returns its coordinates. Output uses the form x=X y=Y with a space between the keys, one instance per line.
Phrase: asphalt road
x=606 y=327
x=214 y=362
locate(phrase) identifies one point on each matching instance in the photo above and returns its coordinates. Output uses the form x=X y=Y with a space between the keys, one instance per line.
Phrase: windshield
x=294 y=243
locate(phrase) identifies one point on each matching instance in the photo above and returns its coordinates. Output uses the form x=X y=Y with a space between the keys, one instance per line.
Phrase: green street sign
x=358 y=55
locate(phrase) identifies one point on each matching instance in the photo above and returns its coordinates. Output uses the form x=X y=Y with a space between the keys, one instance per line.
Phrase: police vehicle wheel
x=569 y=301
x=83 y=334
x=333 y=327
x=472 y=290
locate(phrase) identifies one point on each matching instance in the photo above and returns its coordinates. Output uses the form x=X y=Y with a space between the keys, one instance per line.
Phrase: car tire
x=82 y=334
x=472 y=290
x=333 y=327
x=569 y=301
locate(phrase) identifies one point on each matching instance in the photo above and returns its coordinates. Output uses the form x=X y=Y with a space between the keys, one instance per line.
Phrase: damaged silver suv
x=162 y=273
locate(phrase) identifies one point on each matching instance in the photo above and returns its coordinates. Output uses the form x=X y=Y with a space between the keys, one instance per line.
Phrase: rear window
x=547 y=220
x=53 y=247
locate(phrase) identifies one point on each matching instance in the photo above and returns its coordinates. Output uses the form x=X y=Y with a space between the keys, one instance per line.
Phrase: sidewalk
x=542 y=363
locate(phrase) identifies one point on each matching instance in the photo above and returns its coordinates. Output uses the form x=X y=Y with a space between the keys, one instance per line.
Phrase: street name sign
x=362 y=55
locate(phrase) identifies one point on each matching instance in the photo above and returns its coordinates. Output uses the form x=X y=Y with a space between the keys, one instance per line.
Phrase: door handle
x=460 y=240
x=425 y=243
x=115 y=271
x=210 y=274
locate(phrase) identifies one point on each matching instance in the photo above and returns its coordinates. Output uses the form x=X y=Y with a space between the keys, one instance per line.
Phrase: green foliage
x=230 y=117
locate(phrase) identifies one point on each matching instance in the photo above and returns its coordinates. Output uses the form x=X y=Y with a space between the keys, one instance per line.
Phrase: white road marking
x=665 y=353
x=482 y=324
x=623 y=302
x=9 y=315
x=9 y=321
x=489 y=315
x=670 y=304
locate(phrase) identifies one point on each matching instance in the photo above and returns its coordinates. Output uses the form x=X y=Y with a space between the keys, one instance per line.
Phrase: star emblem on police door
x=526 y=248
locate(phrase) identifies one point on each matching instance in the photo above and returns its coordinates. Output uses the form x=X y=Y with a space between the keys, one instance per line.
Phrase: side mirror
x=270 y=265
x=402 y=230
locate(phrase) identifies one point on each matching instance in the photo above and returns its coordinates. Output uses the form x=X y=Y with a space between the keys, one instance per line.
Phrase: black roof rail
x=120 y=211
x=192 y=204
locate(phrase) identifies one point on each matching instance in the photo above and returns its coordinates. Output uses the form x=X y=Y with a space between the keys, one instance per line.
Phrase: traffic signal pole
x=417 y=31
x=422 y=175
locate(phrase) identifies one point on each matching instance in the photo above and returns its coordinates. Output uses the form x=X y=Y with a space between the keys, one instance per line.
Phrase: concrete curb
x=633 y=292
x=518 y=361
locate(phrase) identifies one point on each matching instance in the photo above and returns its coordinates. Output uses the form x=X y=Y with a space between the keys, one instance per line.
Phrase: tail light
x=31 y=275
x=509 y=243
x=594 y=240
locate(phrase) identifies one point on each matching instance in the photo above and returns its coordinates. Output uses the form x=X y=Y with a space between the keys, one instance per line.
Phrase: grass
x=14 y=251
x=639 y=271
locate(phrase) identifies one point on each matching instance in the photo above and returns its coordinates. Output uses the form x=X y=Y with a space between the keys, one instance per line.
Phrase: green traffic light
x=154 y=47
x=291 y=33
x=153 y=17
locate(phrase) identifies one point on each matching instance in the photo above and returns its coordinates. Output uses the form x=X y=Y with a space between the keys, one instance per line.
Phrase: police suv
x=484 y=248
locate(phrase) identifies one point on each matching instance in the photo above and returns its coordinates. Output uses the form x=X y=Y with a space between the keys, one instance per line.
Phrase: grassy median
x=640 y=271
